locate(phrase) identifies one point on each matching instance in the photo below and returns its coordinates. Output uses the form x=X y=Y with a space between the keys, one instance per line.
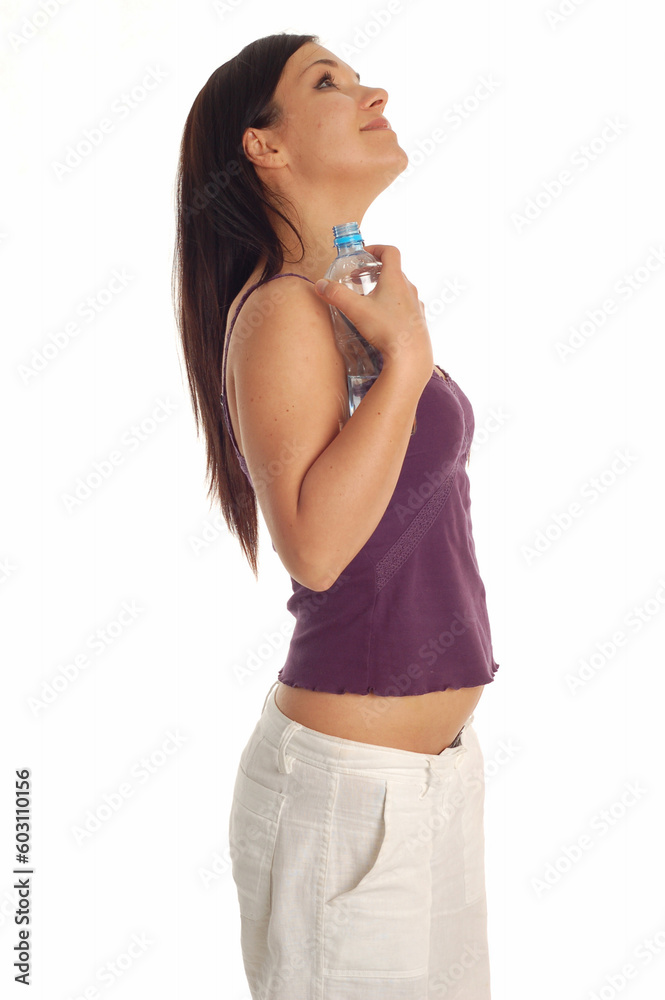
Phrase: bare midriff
x=423 y=723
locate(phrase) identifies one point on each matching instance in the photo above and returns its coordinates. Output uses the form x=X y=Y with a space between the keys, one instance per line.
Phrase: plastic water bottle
x=356 y=268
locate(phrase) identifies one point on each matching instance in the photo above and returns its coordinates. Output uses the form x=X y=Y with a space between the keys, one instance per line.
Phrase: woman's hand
x=391 y=317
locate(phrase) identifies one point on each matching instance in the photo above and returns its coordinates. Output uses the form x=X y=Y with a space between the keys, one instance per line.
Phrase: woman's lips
x=376 y=124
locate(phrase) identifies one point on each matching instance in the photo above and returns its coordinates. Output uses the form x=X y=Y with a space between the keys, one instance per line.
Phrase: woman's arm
x=322 y=490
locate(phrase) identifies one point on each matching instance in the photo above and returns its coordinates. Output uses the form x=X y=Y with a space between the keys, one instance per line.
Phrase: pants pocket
x=253 y=825
x=377 y=895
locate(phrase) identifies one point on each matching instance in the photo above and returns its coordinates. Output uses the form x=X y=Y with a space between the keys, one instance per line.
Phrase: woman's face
x=321 y=137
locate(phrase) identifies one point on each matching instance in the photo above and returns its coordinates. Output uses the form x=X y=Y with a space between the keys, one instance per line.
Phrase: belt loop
x=426 y=785
x=283 y=764
x=268 y=695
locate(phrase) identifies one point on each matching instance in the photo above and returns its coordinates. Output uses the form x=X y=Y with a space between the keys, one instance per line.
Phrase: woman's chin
x=393 y=167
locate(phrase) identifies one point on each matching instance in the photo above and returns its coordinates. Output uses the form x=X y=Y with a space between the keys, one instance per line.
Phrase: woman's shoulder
x=258 y=300
x=282 y=336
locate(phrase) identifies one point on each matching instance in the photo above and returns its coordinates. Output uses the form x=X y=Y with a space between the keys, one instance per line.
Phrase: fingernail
x=321 y=284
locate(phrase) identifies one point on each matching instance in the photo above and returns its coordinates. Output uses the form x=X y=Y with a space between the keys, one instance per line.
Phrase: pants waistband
x=334 y=752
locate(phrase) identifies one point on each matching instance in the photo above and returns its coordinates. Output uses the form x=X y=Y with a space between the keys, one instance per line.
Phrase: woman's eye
x=326 y=76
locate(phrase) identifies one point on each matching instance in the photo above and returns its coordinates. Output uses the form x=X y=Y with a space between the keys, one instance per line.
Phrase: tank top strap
x=225 y=406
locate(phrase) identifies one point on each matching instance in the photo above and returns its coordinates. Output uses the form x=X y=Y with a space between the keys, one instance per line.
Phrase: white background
x=156 y=868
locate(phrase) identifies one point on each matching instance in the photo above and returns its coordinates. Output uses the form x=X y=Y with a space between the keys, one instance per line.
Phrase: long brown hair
x=222 y=230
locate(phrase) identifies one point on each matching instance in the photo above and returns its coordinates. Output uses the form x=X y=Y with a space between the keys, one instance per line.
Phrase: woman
x=356 y=829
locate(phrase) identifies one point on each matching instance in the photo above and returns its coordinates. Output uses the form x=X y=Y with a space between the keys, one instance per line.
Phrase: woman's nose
x=377 y=96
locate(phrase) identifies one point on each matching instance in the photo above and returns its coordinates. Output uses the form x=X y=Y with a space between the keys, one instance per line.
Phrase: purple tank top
x=408 y=614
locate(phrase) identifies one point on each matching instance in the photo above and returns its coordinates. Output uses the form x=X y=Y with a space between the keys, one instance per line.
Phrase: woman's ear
x=260 y=150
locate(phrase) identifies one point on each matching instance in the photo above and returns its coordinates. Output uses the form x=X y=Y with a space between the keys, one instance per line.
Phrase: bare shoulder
x=285 y=375
x=283 y=299
x=283 y=331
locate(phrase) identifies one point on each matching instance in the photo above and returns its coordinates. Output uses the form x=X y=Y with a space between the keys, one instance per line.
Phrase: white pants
x=359 y=868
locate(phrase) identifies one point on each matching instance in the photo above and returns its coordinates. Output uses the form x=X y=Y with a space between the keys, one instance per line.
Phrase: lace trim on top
x=402 y=548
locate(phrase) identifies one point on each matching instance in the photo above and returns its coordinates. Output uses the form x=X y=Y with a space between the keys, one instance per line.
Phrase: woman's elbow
x=309 y=568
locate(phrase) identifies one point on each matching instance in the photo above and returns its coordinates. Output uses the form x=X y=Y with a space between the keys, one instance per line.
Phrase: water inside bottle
x=358 y=386
x=366 y=275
